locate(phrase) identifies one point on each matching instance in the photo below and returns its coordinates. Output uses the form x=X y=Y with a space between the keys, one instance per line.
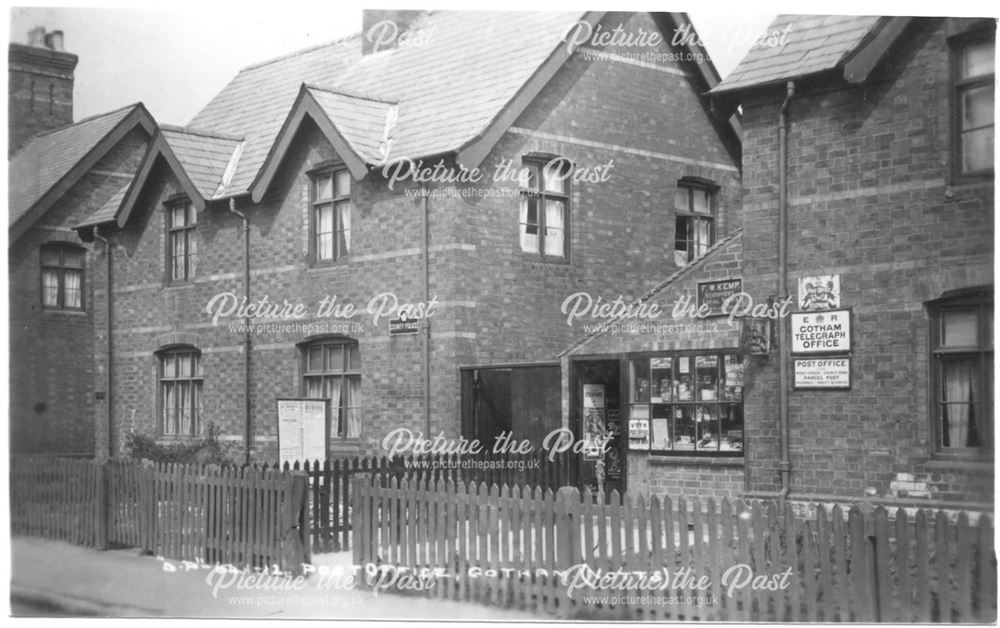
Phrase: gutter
x=110 y=349
x=785 y=465
x=247 y=431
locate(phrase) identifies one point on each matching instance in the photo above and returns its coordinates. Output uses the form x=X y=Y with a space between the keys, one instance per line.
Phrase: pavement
x=51 y=578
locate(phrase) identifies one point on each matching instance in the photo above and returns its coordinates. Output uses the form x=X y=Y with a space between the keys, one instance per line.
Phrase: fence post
x=305 y=528
x=101 y=504
x=292 y=551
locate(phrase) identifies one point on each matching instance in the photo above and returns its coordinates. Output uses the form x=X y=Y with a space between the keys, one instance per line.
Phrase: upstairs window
x=962 y=374
x=180 y=392
x=974 y=93
x=694 y=211
x=62 y=277
x=330 y=194
x=182 y=246
x=332 y=370
x=544 y=217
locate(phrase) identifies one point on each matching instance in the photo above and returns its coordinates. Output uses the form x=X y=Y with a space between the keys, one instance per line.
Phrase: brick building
x=59 y=174
x=295 y=168
x=887 y=210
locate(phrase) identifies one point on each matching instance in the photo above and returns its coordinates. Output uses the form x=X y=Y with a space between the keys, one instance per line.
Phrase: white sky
x=175 y=57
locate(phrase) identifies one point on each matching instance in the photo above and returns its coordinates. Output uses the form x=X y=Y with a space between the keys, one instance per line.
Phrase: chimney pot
x=36 y=37
x=54 y=41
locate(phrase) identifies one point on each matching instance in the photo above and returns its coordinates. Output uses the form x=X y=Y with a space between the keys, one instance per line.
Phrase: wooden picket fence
x=719 y=561
x=54 y=498
x=245 y=518
x=330 y=481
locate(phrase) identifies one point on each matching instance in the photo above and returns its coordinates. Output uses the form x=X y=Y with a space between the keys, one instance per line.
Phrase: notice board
x=303 y=429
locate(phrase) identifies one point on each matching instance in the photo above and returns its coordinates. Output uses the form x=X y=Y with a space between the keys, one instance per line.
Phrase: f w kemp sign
x=821 y=332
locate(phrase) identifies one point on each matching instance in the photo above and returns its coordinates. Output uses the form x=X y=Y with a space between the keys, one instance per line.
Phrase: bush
x=203 y=451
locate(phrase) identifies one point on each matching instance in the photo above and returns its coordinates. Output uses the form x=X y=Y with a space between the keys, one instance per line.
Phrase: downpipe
x=247 y=428
x=785 y=465
x=425 y=194
x=110 y=349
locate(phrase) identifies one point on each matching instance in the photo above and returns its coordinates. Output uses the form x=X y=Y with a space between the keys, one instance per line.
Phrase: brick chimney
x=40 y=87
x=382 y=29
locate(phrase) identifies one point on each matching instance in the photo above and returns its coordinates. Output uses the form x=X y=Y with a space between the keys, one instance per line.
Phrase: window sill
x=170 y=439
x=180 y=284
x=346 y=445
x=535 y=258
x=706 y=461
x=970 y=184
x=327 y=264
x=59 y=312
x=960 y=464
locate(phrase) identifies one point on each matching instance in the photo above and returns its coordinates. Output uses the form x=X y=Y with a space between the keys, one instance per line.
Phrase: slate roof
x=449 y=89
x=49 y=157
x=107 y=212
x=363 y=120
x=813 y=44
x=204 y=156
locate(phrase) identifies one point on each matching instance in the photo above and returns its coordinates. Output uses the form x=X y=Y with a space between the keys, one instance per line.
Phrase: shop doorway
x=595 y=416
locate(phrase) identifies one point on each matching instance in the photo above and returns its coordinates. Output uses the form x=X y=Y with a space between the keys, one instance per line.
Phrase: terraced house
x=306 y=190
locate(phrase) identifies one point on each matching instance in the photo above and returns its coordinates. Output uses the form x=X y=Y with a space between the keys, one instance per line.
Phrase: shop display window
x=694 y=402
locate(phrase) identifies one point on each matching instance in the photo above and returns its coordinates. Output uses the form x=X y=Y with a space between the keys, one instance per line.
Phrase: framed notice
x=593 y=421
x=303 y=429
x=821 y=332
x=714 y=293
x=822 y=374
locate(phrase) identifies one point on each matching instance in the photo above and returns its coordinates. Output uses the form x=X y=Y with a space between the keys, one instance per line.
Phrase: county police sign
x=821 y=332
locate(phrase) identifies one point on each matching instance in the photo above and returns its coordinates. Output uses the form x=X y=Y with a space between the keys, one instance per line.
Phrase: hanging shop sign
x=822 y=374
x=303 y=429
x=712 y=294
x=819 y=292
x=821 y=332
x=755 y=336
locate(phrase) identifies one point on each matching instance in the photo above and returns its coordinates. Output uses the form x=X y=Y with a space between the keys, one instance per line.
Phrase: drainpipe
x=425 y=194
x=785 y=465
x=247 y=431
x=110 y=350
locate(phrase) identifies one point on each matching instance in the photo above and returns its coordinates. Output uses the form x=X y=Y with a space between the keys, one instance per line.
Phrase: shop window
x=544 y=216
x=330 y=199
x=962 y=374
x=180 y=392
x=694 y=218
x=693 y=402
x=332 y=370
x=182 y=245
x=974 y=97
x=62 y=277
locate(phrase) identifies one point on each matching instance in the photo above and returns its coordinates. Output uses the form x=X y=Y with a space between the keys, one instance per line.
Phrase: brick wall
x=870 y=200
x=52 y=367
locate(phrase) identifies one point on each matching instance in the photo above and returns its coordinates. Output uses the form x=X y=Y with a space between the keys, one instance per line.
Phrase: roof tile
x=48 y=157
x=815 y=43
